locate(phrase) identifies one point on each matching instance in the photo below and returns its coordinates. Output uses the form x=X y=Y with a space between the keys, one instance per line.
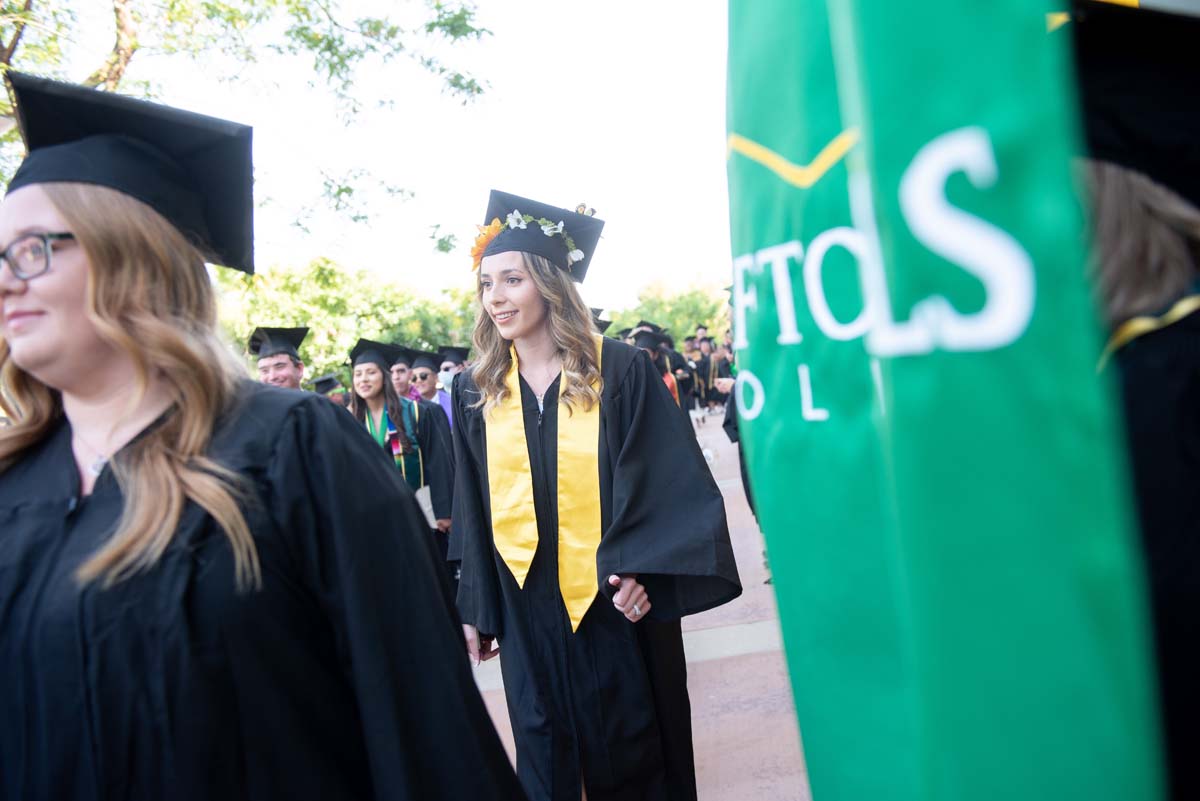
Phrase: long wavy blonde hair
x=1147 y=241
x=149 y=295
x=571 y=330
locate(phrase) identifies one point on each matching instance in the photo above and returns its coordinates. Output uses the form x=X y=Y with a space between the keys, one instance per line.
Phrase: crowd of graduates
x=212 y=587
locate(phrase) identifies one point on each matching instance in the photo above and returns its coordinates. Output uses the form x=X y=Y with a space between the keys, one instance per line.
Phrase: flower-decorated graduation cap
x=266 y=342
x=454 y=353
x=601 y=325
x=326 y=384
x=381 y=354
x=565 y=238
x=192 y=169
x=1138 y=73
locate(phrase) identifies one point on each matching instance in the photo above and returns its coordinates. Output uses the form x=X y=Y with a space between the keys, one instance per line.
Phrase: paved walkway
x=744 y=726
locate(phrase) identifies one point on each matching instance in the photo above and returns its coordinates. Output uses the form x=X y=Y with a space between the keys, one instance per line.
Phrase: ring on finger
x=637 y=611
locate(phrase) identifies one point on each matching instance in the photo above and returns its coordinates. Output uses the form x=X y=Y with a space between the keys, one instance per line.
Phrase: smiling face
x=368 y=380
x=280 y=371
x=510 y=297
x=425 y=380
x=44 y=319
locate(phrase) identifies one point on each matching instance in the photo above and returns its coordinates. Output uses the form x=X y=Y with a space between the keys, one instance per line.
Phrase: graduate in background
x=207 y=585
x=567 y=444
x=425 y=379
x=329 y=386
x=454 y=361
x=654 y=345
x=278 y=354
x=416 y=434
x=401 y=372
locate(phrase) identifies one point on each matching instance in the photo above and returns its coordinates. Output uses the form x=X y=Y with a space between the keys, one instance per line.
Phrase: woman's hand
x=443 y=524
x=479 y=649
x=631 y=599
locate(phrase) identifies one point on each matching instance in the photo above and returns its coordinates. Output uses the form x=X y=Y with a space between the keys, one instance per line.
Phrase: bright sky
x=619 y=104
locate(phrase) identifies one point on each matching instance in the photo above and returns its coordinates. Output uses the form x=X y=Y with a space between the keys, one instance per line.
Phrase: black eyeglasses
x=28 y=256
x=422 y=376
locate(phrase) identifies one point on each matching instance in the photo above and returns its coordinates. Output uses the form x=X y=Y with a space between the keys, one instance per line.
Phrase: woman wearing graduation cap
x=199 y=578
x=415 y=434
x=567 y=444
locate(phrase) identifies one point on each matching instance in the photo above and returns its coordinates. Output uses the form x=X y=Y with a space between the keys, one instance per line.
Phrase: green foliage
x=339 y=306
x=680 y=313
x=38 y=35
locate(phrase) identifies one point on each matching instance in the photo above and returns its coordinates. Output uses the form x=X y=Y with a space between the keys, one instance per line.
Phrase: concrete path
x=744 y=726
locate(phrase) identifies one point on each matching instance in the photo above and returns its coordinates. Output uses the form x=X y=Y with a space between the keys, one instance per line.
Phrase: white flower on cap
x=551 y=230
x=515 y=220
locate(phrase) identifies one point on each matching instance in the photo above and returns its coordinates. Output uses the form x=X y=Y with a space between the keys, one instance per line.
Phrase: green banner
x=936 y=464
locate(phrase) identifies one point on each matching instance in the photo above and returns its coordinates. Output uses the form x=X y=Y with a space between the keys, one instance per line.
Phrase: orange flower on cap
x=486 y=234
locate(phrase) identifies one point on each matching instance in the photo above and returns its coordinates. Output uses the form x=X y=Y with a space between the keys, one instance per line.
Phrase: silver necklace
x=96 y=467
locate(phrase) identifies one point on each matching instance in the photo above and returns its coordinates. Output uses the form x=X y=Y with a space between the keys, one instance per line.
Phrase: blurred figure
x=1139 y=72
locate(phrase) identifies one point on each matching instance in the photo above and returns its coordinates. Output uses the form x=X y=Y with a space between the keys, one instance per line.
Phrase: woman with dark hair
x=199 y=574
x=567 y=446
x=415 y=433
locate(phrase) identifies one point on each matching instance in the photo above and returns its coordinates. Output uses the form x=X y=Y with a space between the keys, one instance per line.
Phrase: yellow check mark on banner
x=803 y=176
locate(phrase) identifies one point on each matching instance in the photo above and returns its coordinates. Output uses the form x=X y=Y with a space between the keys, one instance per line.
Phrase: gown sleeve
x=685 y=561
x=358 y=539
x=433 y=433
x=479 y=600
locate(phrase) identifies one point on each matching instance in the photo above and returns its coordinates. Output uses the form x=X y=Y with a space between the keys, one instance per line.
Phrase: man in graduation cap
x=454 y=361
x=401 y=372
x=278 y=354
x=425 y=369
x=330 y=386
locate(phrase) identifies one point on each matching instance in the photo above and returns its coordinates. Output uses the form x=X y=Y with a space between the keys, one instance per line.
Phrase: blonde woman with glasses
x=202 y=578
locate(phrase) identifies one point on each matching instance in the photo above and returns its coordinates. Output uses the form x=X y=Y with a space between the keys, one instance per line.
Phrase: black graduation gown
x=437 y=453
x=730 y=424
x=610 y=700
x=343 y=677
x=1160 y=379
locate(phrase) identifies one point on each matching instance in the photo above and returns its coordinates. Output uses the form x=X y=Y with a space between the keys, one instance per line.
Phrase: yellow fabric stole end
x=510 y=485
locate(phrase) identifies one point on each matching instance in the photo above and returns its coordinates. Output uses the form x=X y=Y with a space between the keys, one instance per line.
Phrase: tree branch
x=113 y=70
x=19 y=28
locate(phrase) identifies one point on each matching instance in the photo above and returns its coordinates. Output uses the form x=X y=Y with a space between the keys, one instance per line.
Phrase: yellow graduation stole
x=510 y=485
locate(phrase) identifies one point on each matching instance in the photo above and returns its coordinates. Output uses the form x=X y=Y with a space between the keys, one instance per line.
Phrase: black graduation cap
x=192 y=169
x=401 y=355
x=1138 y=73
x=378 y=353
x=583 y=229
x=454 y=353
x=650 y=340
x=658 y=329
x=266 y=342
x=601 y=325
x=326 y=384
x=425 y=359
x=624 y=333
